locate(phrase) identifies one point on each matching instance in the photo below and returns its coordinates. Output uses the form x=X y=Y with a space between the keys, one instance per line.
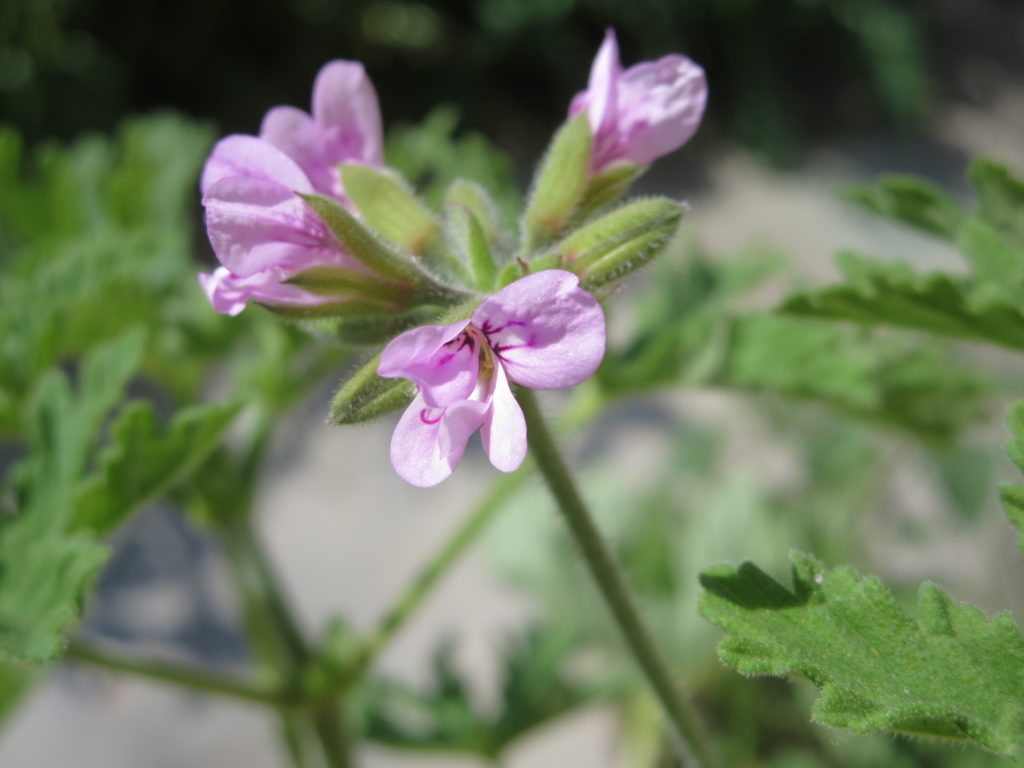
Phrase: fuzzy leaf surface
x=144 y=460
x=885 y=293
x=950 y=673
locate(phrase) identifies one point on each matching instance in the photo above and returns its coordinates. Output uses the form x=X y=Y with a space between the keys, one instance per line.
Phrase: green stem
x=277 y=634
x=181 y=676
x=425 y=581
x=685 y=722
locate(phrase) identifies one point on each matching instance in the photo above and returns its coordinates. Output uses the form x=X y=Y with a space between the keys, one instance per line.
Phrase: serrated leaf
x=45 y=566
x=143 y=460
x=559 y=183
x=913 y=201
x=388 y=204
x=951 y=673
x=882 y=293
x=1012 y=494
x=992 y=260
x=1000 y=197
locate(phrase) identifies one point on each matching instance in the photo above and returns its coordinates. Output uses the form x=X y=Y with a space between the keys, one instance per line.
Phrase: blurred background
x=805 y=96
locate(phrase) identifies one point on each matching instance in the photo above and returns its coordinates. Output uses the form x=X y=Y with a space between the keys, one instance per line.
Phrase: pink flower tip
x=642 y=113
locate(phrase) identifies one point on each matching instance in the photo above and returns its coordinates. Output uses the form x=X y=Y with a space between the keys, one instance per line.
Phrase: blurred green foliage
x=512 y=65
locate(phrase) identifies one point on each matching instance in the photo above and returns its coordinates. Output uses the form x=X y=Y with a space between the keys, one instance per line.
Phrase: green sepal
x=387 y=203
x=559 y=184
x=468 y=238
x=349 y=284
x=593 y=242
x=619 y=242
x=334 y=309
x=366 y=395
x=383 y=258
x=510 y=273
x=606 y=188
x=473 y=197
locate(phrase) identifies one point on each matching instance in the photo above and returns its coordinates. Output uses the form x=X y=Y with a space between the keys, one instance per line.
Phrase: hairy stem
x=686 y=726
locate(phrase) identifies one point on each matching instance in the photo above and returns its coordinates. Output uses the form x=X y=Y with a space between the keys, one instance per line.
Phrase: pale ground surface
x=347 y=534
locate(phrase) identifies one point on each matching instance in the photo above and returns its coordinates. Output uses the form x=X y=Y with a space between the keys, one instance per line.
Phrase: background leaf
x=950 y=674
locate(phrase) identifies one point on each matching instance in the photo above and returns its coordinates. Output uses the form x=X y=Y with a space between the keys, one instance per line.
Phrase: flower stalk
x=689 y=736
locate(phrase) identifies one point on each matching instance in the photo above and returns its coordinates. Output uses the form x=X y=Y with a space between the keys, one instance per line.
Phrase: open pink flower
x=644 y=112
x=542 y=331
x=261 y=230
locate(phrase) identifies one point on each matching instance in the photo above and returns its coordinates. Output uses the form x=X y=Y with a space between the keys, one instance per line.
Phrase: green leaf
x=1013 y=493
x=913 y=201
x=992 y=260
x=365 y=395
x=45 y=566
x=143 y=460
x=388 y=204
x=950 y=674
x=559 y=184
x=881 y=293
x=1000 y=197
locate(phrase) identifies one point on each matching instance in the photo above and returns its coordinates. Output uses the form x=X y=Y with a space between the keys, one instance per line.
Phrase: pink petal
x=249 y=157
x=345 y=107
x=428 y=443
x=660 y=107
x=547 y=332
x=441 y=362
x=293 y=132
x=254 y=224
x=603 y=85
x=503 y=433
x=229 y=294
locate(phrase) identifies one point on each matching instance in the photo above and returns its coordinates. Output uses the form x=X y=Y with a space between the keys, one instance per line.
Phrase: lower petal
x=229 y=294
x=504 y=430
x=428 y=443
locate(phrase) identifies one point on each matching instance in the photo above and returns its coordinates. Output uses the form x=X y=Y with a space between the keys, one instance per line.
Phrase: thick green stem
x=688 y=730
x=180 y=676
x=442 y=561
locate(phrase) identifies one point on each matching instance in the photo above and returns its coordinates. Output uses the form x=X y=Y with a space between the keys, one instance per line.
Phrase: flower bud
x=558 y=185
x=618 y=242
x=366 y=395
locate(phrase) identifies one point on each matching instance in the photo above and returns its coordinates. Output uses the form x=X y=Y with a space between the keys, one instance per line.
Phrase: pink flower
x=345 y=126
x=542 y=331
x=261 y=230
x=649 y=110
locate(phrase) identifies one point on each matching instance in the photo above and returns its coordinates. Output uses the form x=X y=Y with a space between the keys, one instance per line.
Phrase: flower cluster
x=290 y=236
